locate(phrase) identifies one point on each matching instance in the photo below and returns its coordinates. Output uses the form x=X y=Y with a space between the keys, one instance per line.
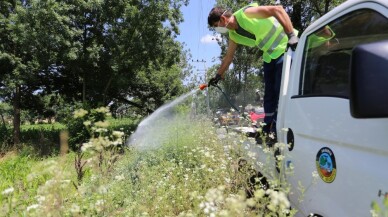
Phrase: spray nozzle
x=203 y=86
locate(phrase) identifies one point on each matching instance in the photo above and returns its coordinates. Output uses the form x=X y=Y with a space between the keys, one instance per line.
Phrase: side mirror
x=369 y=80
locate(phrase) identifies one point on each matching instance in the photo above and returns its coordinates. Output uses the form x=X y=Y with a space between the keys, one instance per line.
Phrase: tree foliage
x=303 y=13
x=96 y=52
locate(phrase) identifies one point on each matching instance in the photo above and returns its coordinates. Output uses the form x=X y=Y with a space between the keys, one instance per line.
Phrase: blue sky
x=196 y=35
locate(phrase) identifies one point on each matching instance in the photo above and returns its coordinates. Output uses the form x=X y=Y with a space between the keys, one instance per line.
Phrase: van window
x=326 y=60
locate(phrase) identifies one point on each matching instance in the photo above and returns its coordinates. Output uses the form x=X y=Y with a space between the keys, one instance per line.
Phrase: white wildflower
x=102 y=110
x=259 y=194
x=117 y=142
x=251 y=202
x=281 y=146
x=280 y=157
x=266 y=150
x=34 y=206
x=278 y=199
x=118 y=134
x=93 y=178
x=102 y=124
x=291 y=166
x=66 y=181
x=102 y=190
x=86 y=146
x=374 y=213
x=40 y=198
x=80 y=113
x=31 y=177
x=120 y=177
x=8 y=191
x=98 y=205
x=87 y=123
x=75 y=208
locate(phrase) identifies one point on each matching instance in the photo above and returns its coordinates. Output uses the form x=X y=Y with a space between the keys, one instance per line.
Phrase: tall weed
x=196 y=172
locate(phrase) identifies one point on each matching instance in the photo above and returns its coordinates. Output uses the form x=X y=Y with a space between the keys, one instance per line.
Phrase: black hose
x=228 y=100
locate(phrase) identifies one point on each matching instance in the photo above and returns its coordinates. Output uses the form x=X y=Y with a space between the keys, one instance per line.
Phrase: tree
x=303 y=13
x=118 y=42
x=5 y=113
x=32 y=34
x=96 y=52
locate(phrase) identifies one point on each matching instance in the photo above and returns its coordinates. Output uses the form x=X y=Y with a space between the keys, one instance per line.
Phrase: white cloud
x=210 y=39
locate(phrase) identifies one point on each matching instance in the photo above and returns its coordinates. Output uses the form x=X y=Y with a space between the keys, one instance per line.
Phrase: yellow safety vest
x=314 y=40
x=267 y=34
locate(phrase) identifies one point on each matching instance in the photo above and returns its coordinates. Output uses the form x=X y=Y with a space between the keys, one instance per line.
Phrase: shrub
x=5 y=139
x=194 y=172
x=44 y=138
x=80 y=134
x=125 y=125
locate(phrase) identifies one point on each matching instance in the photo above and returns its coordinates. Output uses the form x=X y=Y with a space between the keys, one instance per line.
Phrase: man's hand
x=292 y=41
x=214 y=81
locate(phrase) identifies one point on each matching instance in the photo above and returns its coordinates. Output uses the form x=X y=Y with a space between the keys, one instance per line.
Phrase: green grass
x=192 y=174
x=43 y=127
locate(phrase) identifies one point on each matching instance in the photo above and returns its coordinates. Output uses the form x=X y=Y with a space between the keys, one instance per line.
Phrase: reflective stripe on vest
x=269 y=34
x=276 y=43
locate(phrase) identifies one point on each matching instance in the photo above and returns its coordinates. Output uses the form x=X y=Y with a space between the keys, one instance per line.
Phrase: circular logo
x=326 y=166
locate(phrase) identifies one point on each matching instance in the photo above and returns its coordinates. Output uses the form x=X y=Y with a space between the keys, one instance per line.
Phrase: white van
x=334 y=107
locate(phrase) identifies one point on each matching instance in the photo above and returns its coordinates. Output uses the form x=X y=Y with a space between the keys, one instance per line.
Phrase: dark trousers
x=272 y=81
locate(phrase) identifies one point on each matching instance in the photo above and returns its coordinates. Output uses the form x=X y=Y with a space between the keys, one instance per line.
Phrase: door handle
x=290 y=139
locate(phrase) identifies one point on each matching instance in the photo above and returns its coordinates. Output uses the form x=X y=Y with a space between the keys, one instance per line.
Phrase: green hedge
x=5 y=138
x=125 y=125
x=45 y=137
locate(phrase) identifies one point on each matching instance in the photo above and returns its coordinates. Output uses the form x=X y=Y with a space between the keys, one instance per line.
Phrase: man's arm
x=228 y=58
x=226 y=61
x=262 y=12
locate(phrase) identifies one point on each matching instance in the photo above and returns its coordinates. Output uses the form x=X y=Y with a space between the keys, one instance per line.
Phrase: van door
x=339 y=162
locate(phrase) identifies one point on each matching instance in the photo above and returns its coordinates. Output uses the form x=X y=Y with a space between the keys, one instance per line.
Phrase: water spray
x=152 y=131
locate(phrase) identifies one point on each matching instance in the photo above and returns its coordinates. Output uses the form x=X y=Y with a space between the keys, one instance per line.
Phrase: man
x=270 y=29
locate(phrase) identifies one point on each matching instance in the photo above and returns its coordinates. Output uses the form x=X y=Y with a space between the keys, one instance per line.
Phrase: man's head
x=218 y=16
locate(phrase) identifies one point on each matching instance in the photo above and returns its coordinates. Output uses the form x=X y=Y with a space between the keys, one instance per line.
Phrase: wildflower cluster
x=198 y=171
x=380 y=209
x=103 y=143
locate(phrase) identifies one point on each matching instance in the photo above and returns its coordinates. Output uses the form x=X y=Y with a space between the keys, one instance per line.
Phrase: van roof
x=341 y=9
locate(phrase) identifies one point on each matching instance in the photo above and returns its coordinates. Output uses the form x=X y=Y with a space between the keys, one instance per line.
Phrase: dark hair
x=215 y=15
